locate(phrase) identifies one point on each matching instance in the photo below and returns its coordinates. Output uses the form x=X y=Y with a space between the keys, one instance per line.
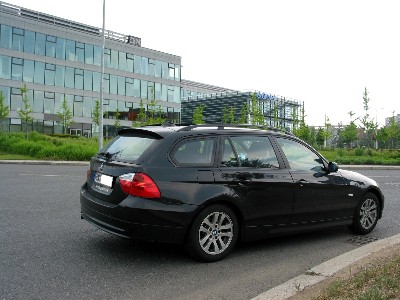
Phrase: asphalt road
x=48 y=252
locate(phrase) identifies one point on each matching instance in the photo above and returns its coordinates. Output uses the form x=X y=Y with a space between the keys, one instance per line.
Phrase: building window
x=107 y=57
x=121 y=85
x=89 y=54
x=106 y=83
x=60 y=76
x=136 y=88
x=143 y=89
x=16 y=99
x=164 y=70
x=49 y=74
x=49 y=103
x=70 y=50
x=38 y=77
x=122 y=61
x=29 y=70
x=113 y=84
x=96 y=81
x=5 y=37
x=152 y=67
x=114 y=59
x=171 y=71
x=18 y=39
x=29 y=41
x=97 y=56
x=79 y=79
x=79 y=52
x=51 y=46
x=60 y=48
x=129 y=62
x=40 y=44
x=150 y=90
x=157 y=71
x=145 y=66
x=88 y=80
x=78 y=106
x=38 y=100
x=129 y=86
x=69 y=77
x=5 y=67
x=137 y=64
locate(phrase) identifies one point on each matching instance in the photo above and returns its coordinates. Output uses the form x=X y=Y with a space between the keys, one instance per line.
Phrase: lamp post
x=100 y=137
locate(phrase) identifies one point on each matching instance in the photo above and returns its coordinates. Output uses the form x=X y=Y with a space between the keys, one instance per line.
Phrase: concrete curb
x=45 y=162
x=325 y=270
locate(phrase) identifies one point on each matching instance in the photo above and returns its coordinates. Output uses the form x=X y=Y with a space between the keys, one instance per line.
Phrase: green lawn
x=9 y=156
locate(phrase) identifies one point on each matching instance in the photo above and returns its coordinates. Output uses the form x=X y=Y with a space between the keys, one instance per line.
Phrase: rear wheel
x=366 y=215
x=213 y=233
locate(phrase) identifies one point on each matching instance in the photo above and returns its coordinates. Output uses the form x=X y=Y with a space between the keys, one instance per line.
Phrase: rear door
x=252 y=169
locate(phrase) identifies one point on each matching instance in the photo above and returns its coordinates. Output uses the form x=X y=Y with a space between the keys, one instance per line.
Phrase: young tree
x=141 y=116
x=349 y=132
x=257 y=118
x=117 y=123
x=327 y=131
x=225 y=115
x=4 y=109
x=393 y=131
x=232 y=115
x=198 y=114
x=320 y=137
x=367 y=122
x=96 y=112
x=243 y=115
x=65 y=115
x=25 y=112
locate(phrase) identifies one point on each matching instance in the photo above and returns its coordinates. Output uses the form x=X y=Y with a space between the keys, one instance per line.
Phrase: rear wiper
x=108 y=155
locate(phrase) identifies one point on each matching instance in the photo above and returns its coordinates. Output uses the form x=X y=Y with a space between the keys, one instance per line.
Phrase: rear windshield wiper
x=108 y=155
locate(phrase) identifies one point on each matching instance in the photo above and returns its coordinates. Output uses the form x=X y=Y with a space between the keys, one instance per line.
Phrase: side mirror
x=332 y=167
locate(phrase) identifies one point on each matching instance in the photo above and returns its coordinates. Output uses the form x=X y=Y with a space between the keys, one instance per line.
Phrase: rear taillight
x=139 y=185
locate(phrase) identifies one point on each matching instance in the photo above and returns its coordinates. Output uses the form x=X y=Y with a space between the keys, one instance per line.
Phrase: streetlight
x=100 y=137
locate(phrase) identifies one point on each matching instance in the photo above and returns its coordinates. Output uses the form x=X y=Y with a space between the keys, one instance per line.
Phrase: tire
x=213 y=234
x=366 y=215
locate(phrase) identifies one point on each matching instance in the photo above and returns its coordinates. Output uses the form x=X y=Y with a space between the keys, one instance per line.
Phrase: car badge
x=101 y=167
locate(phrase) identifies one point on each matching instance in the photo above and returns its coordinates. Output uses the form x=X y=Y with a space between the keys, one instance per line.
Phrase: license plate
x=103 y=179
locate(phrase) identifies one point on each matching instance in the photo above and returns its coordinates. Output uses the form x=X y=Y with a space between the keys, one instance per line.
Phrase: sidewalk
x=304 y=283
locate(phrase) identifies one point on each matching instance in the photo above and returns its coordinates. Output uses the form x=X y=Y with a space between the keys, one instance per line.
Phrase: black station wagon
x=208 y=186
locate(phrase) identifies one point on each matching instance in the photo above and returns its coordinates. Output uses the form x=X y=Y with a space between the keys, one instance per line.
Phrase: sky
x=322 y=53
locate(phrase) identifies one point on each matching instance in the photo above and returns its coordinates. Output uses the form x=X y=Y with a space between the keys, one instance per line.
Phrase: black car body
x=208 y=186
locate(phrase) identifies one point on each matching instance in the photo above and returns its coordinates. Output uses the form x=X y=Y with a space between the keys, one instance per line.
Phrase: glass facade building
x=277 y=111
x=59 y=59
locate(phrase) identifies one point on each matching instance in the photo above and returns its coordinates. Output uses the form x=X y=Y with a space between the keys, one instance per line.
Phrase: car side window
x=300 y=157
x=252 y=151
x=195 y=152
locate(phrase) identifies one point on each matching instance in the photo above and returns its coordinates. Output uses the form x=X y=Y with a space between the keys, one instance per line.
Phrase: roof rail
x=221 y=126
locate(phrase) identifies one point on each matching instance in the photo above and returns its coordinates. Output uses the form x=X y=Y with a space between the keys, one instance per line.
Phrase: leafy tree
x=320 y=137
x=117 y=123
x=96 y=113
x=232 y=115
x=257 y=118
x=25 y=112
x=327 y=131
x=367 y=122
x=4 y=109
x=393 y=131
x=350 y=132
x=243 y=115
x=383 y=137
x=198 y=114
x=141 y=116
x=225 y=115
x=65 y=115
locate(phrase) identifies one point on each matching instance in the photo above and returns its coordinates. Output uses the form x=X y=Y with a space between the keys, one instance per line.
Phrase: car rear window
x=127 y=148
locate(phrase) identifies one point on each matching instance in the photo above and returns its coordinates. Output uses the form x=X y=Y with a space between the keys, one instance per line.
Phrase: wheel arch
x=226 y=202
x=380 y=198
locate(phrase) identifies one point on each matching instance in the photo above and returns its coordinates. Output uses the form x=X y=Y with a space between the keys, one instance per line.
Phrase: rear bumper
x=138 y=218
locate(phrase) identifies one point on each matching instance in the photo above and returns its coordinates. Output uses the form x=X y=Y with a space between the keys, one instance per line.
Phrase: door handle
x=303 y=181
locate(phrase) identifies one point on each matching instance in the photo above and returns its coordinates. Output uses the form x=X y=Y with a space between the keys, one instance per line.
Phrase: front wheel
x=366 y=215
x=213 y=234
